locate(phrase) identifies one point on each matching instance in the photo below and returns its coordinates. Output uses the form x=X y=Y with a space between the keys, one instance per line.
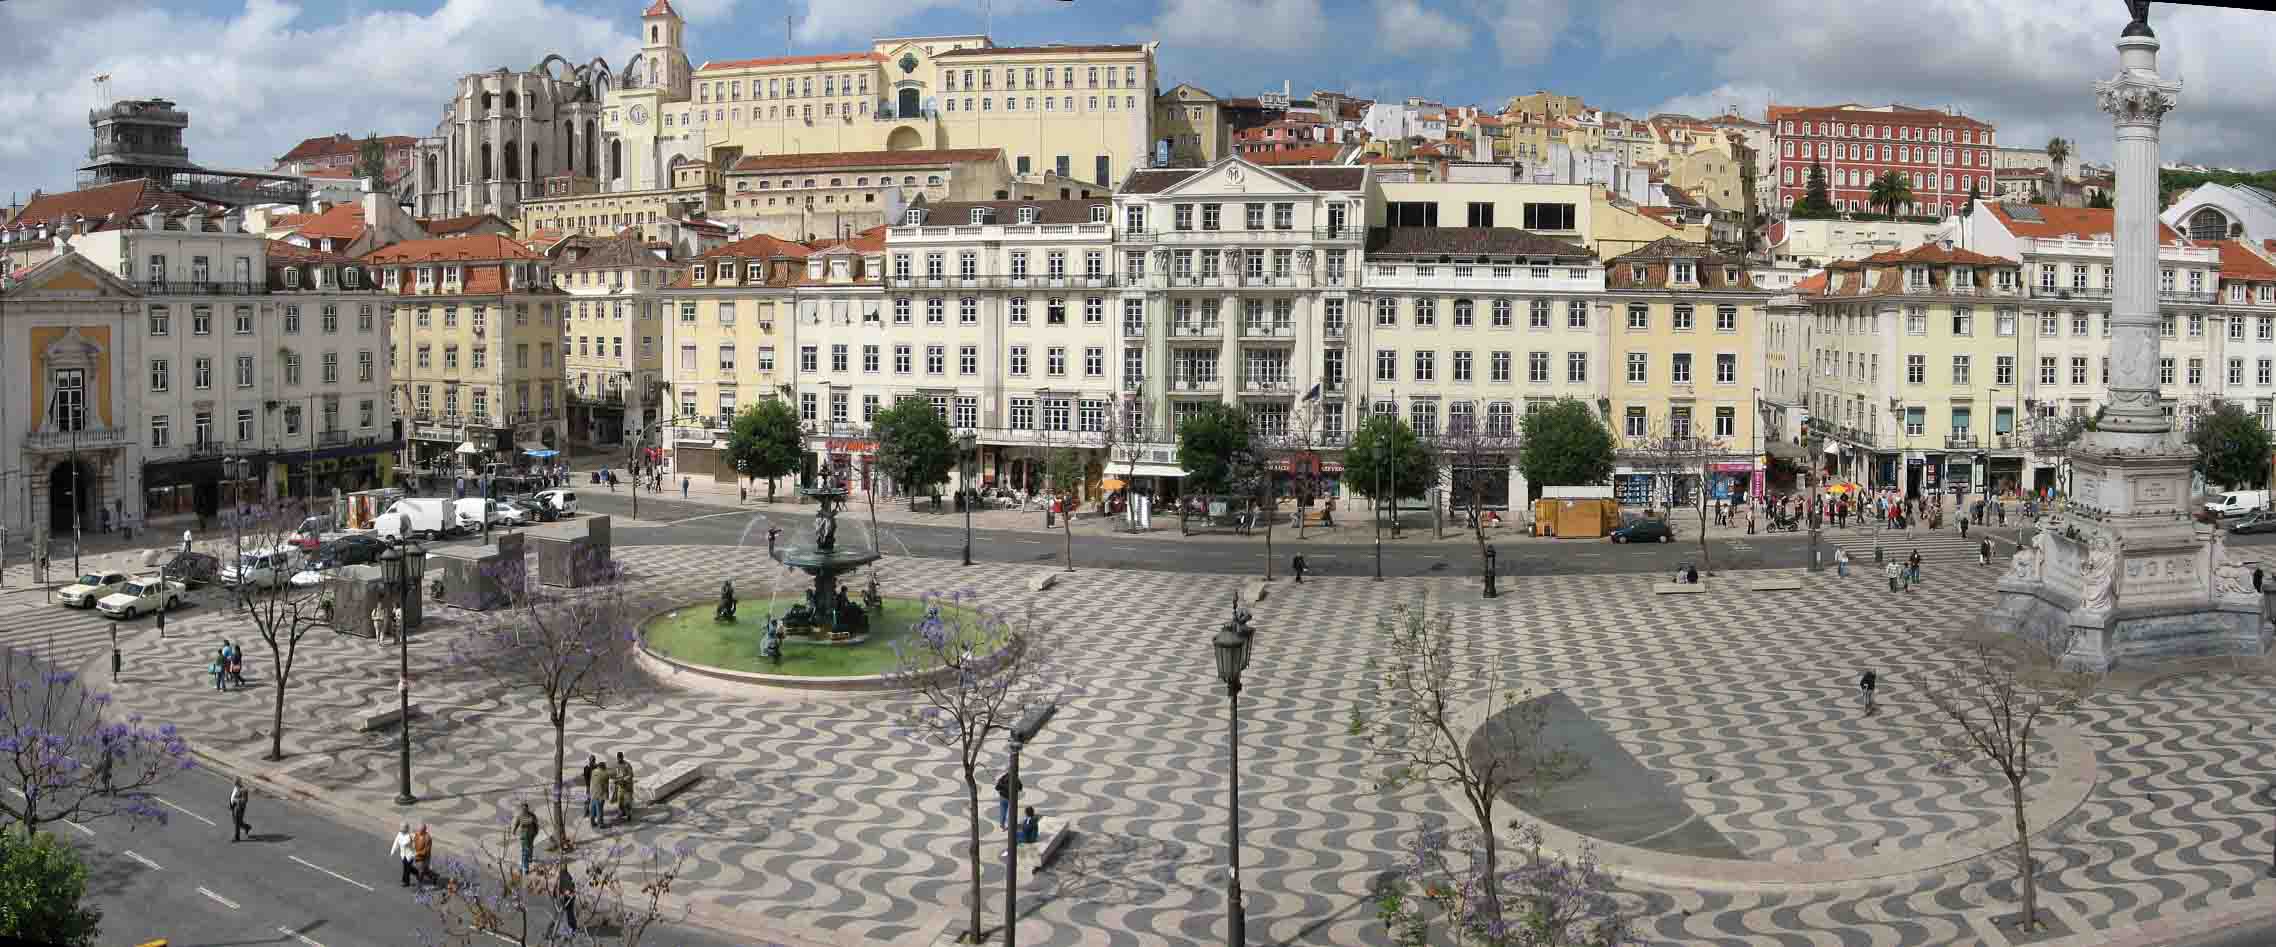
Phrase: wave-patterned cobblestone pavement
x=823 y=818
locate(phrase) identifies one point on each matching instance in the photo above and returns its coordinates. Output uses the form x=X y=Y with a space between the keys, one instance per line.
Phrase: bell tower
x=663 y=46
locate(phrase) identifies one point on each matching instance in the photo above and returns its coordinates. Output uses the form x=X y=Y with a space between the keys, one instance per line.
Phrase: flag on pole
x=1314 y=393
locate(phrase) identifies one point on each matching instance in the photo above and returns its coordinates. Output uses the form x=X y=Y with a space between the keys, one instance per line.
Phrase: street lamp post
x=1029 y=724
x=401 y=565
x=966 y=445
x=1232 y=646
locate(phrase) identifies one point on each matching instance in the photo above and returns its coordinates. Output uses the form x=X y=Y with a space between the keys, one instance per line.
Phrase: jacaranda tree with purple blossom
x=66 y=753
x=1440 y=711
x=571 y=647
x=619 y=891
x=972 y=671
x=1441 y=895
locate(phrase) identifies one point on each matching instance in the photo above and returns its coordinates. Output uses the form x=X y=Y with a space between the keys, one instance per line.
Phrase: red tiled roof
x=2239 y=263
x=1311 y=154
x=865 y=159
x=756 y=247
x=343 y=222
x=867 y=241
x=1853 y=112
x=1938 y=253
x=99 y=203
x=446 y=226
x=339 y=143
x=2082 y=222
x=1815 y=284
x=1034 y=50
x=282 y=252
x=470 y=247
x=661 y=8
x=790 y=60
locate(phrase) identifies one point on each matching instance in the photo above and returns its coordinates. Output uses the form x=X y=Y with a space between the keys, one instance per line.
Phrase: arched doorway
x=904 y=138
x=67 y=493
x=907 y=103
x=616 y=158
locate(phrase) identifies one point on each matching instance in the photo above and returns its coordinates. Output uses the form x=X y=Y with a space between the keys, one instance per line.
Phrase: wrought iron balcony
x=1960 y=442
x=195 y=287
x=89 y=438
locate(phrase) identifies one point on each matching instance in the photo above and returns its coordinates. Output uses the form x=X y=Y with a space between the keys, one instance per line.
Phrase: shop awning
x=1147 y=470
x=468 y=447
x=541 y=452
x=534 y=449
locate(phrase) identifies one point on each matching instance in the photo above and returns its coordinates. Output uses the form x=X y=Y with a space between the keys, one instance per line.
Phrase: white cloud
x=1524 y=30
x=703 y=11
x=1274 y=29
x=1406 y=26
x=257 y=81
x=2026 y=67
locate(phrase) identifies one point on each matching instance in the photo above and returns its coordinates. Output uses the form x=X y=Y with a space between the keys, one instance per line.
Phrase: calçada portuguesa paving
x=824 y=822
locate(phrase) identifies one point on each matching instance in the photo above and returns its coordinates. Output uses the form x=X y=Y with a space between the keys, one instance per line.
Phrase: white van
x=430 y=517
x=2237 y=502
x=263 y=568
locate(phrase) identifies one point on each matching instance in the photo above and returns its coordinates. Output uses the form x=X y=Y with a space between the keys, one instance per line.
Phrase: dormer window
x=1027 y=215
x=1963 y=277
x=348 y=277
x=1680 y=272
x=1916 y=277
x=914 y=217
x=1098 y=213
x=754 y=272
x=1731 y=275
x=292 y=277
x=699 y=273
x=1637 y=272
x=979 y=215
x=814 y=269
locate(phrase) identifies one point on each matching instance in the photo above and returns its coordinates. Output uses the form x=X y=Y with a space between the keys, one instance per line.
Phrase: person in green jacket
x=598 y=779
x=624 y=787
x=525 y=827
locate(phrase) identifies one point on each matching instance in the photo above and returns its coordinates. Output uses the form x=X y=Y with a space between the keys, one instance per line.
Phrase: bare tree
x=259 y=585
x=971 y=672
x=1298 y=449
x=65 y=754
x=1674 y=454
x=1420 y=695
x=1990 y=704
x=1477 y=451
x=618 y=892
x=571 y=647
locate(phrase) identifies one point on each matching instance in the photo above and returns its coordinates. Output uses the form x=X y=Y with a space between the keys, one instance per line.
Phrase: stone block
x=1041 y=581
x=1775 y=585
x=354 y=590
x=469 y=573
x=570 y=552
x=1678 y=588
x=1255 y=590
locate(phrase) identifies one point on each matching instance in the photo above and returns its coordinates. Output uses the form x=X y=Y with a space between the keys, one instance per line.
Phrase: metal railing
x=1959 y=441
x=1078 y=281
x=331 y=438
x=91 y=438
x=189 y=287
x=1239 y=234
x=1197 y=330
x=2068 y=292
x=1193 y=383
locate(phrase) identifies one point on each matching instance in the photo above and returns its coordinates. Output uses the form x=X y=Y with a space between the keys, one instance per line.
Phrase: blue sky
x=259 y=75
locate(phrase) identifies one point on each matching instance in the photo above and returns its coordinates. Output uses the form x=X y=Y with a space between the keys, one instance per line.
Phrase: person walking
x=401 y=850
x=1894 y=571
x=185 y=540
x=683 y=488
x=239 y=800
x=1963 y=526
x=565 y=896
x=525 y=828
x=1865 y=687
x=1912 y=569
x=215 y=668
x=1983 y=552
x=596 y=790
x=1999 y=509
x=625 y=784
x=1005 y=787
x=423 y=855
x=1841 y=561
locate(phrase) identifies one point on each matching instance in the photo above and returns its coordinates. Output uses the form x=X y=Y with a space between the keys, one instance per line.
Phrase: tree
x=1891 y=190
x=489 y=897
x=1990 y=705
x=65 y=754
x=2232 y=447
x=765 y=441
x=1560 y=901
x=1299 y=446
x=568 y=646
x=1065 y=471
x=41 y=885
x=2100 y=199
x=1210 y=442
x=1564 y=444
x=1816 y=200
x=914 y=446
x=1480 y=457
x=1434 y=715
x=2058 y=152
x=971 y=672
x=1675 y=454
x=371 y=160
x=1975 y=193
x=1386 y=462
x=282 y=615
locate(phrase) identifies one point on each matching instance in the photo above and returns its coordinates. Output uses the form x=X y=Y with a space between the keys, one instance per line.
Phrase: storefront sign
x=429 y=432
x=1632 y=489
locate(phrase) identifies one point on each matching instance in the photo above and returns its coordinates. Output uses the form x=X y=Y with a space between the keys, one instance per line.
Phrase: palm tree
x=1890 y=191
x=2058 y=151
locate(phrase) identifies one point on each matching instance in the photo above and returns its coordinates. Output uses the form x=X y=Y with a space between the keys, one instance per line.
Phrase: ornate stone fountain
x=827 y=611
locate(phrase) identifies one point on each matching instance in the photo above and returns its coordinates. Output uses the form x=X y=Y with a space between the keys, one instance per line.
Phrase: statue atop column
x=2140 y=24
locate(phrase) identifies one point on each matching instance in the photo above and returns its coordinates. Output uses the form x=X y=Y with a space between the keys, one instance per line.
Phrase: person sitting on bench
x=1030 y=826
x=1687 y=574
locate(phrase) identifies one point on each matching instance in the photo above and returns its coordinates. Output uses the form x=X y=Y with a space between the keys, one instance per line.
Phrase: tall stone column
x=2137 y=100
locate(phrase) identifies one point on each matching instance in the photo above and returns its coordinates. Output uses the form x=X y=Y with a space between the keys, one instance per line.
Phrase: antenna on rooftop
x=103 y=89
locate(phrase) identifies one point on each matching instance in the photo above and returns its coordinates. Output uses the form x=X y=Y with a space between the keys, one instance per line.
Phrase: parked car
x=353 y=549
x=508 y=512
x=564 y=502
x=310 y=533
x=192 y=569
x=143 y=595
x=1644 y=531
x=539 y=510
x=91 y=588
x=263 y=568
x=2257 y=521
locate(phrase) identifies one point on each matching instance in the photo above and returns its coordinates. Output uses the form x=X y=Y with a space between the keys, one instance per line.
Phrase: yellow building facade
x=1685 y=338
x=1071 y=112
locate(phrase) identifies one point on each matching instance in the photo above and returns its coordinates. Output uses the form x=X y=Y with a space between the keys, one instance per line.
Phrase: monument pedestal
x=2125 y=576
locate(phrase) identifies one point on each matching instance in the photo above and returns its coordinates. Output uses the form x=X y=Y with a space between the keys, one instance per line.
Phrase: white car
x=563 y=502
x=146 y=594
x=91 y=588
x=510 y=513
x=265 y=568
x=306 y=578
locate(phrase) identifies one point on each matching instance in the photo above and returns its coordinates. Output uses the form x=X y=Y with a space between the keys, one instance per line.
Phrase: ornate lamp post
x=967 y=445
x=1029 y=724
x=1232 y=647
x=402 y=565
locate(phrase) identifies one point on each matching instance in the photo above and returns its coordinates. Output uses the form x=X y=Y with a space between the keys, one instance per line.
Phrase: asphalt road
x=1164 y=550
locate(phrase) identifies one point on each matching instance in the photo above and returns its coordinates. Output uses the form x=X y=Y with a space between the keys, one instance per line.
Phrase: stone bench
x=1050 y=836
x=1042 y=581
x=666 y=783
x=1678 y=588
x=1254 y=591
x=1775 y=585
x=380 y=717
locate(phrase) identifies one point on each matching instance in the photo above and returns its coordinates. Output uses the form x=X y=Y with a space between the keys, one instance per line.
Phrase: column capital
x=2134 y=99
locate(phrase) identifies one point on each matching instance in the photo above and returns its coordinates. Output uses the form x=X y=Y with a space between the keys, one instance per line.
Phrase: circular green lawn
x=690 y=635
